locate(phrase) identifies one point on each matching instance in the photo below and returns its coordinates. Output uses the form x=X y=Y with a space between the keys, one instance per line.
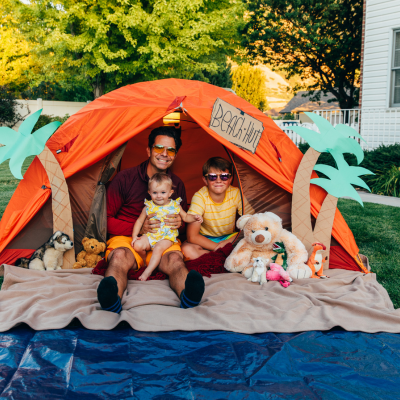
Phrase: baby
x=160 y=190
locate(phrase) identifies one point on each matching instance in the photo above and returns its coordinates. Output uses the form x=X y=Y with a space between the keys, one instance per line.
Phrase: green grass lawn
x=376 y=229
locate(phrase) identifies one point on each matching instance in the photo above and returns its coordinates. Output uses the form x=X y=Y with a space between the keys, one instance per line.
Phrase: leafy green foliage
x=249 y=83
x=387 y=183
x=114 y=42
x=45 y=119
x=221 y=78
x=318 y=40
x=54 y=91
x=9 y=115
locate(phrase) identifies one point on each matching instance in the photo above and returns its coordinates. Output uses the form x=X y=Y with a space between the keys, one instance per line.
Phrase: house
x=380 y=73
x=301 y=102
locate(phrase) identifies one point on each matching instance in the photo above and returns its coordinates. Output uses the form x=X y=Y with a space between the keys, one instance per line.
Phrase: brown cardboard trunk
x=62 y=216
x=301 y=206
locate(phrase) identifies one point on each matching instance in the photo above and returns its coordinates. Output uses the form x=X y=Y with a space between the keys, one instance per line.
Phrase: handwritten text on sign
x=236 y=126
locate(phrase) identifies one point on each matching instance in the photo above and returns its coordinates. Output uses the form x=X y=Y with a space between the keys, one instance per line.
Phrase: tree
x=9 y=115
x=221 y=78
x=15 y=57
x=111 y=42
x=318 y=40
x=249 y=83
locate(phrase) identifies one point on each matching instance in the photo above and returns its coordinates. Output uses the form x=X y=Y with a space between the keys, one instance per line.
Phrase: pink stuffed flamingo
x=277 y=273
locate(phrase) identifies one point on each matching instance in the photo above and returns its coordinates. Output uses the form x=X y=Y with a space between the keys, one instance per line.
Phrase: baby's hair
x=159 y=178
x=217 y=163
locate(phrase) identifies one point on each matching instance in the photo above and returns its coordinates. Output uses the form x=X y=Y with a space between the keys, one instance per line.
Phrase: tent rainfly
x=110 y=134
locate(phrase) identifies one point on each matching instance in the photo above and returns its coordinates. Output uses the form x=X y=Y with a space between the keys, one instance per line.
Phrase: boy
x=217 y=202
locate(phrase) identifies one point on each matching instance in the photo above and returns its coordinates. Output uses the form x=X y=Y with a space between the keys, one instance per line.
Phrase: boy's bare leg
x=112 y=287
x=142 y=246
x=158 y=250
x=193 y=251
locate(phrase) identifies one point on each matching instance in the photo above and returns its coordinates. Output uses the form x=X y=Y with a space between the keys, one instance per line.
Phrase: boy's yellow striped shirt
x=218 y=218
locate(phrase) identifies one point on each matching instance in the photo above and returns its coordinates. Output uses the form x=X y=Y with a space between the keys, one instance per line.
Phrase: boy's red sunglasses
x=213 y=177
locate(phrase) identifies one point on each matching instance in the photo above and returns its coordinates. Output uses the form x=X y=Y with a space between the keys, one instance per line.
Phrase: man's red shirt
x=125 y=198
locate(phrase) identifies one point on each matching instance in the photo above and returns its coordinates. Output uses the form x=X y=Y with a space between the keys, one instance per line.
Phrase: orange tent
x=82 y=144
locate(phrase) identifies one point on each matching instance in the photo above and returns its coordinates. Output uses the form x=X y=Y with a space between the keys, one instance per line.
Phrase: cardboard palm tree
x=17 y=146
x=335 y=140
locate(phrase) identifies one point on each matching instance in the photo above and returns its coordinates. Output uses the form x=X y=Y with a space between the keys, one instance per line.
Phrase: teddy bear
x=89 y=257
x=261 y=232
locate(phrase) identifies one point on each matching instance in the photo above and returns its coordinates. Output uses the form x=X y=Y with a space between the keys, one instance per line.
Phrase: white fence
x=376 y=126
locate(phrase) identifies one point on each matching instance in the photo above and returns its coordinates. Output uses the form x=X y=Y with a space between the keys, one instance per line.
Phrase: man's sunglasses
x=213 y=177
x=158 y=148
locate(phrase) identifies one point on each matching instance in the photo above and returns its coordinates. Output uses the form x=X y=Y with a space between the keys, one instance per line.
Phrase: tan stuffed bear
x=88 y=258
x=261 y=231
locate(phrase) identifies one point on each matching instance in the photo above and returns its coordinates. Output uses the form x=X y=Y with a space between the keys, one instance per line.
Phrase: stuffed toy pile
x=261 y=233
x=89 y=257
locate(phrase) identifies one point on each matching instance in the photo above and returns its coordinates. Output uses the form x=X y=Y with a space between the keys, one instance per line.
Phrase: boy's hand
x=222 y=244
x=174 y=221
x=150 y=225
x=134 y=239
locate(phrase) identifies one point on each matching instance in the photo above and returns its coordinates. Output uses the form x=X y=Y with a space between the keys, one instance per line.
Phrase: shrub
x=9 y=115
x=45 y=119
x=387 y=183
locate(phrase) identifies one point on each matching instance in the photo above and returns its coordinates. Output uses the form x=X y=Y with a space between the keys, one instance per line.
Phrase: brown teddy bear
x=261 y=233
x=89 y=257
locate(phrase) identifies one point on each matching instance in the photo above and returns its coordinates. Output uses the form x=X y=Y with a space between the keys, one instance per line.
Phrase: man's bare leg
x=189 y=286
x=112 y=287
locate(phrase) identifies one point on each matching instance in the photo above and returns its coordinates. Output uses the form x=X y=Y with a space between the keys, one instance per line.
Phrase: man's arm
x=115 y=201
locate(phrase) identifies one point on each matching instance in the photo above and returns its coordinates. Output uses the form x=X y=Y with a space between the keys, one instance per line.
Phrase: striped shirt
x=218 y=218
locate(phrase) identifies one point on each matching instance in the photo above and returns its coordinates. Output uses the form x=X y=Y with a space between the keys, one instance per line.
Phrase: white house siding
x=380 y=123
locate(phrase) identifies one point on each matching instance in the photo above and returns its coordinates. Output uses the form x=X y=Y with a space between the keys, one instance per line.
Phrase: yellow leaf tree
x=15 y=58
x=249 y=83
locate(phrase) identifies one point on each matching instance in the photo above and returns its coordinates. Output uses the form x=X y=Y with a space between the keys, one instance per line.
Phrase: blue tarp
x=76 y=363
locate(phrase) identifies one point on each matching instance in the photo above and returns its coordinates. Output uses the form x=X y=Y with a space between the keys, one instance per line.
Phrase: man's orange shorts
x=125 y=241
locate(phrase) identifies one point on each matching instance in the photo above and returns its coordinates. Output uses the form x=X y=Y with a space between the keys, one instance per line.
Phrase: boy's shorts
x=218 y=239
x=125 y=241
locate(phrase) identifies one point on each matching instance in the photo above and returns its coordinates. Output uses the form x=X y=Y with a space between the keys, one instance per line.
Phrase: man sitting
x=125 y=200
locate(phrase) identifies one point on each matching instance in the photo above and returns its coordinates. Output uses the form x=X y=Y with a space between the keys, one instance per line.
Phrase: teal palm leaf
x=341 y=180
x=19 y=145
x=331 y=139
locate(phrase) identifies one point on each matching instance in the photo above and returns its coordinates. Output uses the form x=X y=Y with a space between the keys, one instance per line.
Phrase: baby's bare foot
x=144 y=276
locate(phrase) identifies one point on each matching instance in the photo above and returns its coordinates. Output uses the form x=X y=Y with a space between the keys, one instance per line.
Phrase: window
x=396 y=70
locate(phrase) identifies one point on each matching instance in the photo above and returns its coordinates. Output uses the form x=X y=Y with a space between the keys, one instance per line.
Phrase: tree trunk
x=324 y=224
x=62 y=215
x=99 y=85
x=301 y=206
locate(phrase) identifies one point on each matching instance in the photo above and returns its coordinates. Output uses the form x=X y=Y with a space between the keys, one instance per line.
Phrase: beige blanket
x=50 y=300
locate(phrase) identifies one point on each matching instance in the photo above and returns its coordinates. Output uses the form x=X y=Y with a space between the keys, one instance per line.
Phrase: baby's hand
x=198 y=218
x=134 y=239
